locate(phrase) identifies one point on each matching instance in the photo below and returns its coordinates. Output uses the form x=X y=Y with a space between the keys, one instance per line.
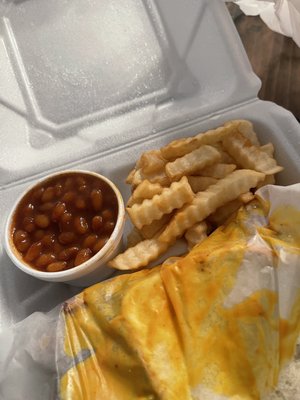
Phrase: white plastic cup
x=88 y=273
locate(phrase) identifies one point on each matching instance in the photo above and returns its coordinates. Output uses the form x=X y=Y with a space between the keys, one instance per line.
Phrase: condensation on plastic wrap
x=187 y=329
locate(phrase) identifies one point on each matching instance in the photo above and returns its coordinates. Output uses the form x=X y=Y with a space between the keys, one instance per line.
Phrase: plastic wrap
x=282 y=16
x=220 y=323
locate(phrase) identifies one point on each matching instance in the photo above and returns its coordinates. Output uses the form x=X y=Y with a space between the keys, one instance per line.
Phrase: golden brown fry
x=158 y=177
x=134 y=237
x=225 y=157
x=149 y=231
x=139 y=256
x=180 y=147
x=245 y=127
x=205 y=203
x=196 y=234
x=136 y=177
x=249 y=156
x=171 y=198
x=151 y=161
x=145 y=190
x=130 y=176
x=246 y=197
x=191 y=162
x=200 y=183
x=269 y=180
x=217 y=171
x=268 y=149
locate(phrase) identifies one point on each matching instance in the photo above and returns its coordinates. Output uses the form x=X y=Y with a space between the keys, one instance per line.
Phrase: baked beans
x=63 y=222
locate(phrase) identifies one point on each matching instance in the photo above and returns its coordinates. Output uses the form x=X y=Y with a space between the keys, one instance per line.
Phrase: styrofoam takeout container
x=91 y=84
x=87 y=273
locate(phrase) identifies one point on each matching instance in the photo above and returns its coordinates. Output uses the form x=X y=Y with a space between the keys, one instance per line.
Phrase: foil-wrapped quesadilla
x=219 y=323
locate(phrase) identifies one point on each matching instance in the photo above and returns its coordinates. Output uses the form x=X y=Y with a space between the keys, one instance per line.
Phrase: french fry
x=139 y=256
x=268 y=149
x=134 y=237
x=145 y=190
x=202 y=206
x=217 y=171
x=200 y=183
x=151 y=161
x=180 y=147
x=250 y=156
x=149 y=231
x=136 y=177
x=246 y=197
x=196 y=234
x=171 y=198
x=220 y=216
x=246 y=129
x=225 y=157
x=269 y=180
x=156 y=177
x=130 y=176
x=191 y=162
x=205 y=203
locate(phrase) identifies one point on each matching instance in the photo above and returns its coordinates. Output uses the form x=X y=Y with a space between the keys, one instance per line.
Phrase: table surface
x=275 y=59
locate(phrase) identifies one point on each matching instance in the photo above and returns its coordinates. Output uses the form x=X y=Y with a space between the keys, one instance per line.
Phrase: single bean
x=42 y=220
x=97 y=199
x=20 y=235
x=107 y=214
x=80 y=203
x=58 y=188
x=90 y=240
x=69 y=197
x=22 y=240
x=109 y=226
x=68 y=253
x=56 y=266
x=28 y=224
x=46 y=206
x=97 y=223
x=34 y=251
x=65 y=221
x=81 y=226
x=66 y=237
x=99 y=244
x=37 y=194
x=82 y=256
x=57 y=247
x=45 y=259
x=48 y=240
x=38 y=234
x=58 y=211
x=48 y=194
